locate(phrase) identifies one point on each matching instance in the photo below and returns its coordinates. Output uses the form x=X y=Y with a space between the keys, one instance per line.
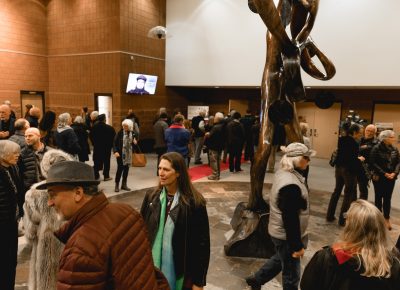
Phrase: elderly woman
x=289 y=213
x=65 y=136
x=40 y=222
x=10 y=192
x=123 y=148
x=385 y=164
x=364 y=258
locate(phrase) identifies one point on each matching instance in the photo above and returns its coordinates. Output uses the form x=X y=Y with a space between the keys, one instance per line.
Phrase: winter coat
x=159 y=133
x=82 y=134
x=102 y=137
x=29 y=166
x=384 y=159
x=347 y=154
x=118 y=141
x=177 y=138
x=236 y=135
x=191 y=237
x=10 y=181
x=67 y=141
x=195 y=125
x=324 y=272
x=8 y=126
x=19 y=138
x=106 y=247
x=216 y=139
x=40 y=222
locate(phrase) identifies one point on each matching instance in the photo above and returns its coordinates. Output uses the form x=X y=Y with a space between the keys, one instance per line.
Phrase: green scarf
x=162 y=247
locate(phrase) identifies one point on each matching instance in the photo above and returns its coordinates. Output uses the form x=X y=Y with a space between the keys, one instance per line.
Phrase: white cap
x=297 y=149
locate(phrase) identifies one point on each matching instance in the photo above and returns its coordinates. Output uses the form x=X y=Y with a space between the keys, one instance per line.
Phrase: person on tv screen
x=140 y=84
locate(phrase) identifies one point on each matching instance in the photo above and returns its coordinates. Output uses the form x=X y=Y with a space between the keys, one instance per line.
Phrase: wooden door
x=34 y=99
x=240 y=106
x=324 y=126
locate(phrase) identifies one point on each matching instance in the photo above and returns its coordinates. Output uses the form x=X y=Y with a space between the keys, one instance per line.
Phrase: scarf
x=163 y=253
x=127 y=148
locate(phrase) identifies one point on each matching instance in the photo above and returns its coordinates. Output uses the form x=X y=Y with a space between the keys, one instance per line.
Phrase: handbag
x=138 y=158
x=332 y=161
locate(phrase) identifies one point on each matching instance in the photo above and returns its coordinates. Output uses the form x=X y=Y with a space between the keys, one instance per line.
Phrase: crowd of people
x=81 y=241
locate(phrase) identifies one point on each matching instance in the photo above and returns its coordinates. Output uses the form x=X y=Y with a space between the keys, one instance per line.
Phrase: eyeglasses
x=307 y=158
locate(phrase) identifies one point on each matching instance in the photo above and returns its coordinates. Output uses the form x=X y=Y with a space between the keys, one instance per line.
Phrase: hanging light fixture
x=158 y=32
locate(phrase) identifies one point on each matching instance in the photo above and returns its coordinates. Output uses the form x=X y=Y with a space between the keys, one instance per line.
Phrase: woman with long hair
x=385 y=164
x=123 y=142
x=46 y=127
x=364 y=257
x=177 y=222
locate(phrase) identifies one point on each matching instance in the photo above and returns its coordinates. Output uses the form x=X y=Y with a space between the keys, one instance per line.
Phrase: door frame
x=38 y=93
x=96 y=103
x=380 y=102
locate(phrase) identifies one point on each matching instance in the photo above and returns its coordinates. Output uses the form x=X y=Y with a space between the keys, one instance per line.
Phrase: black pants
x=349 y=180
x=121 y=170
x=362 y=181
x=235 y=156
x=104 y=164
x=249 y=149
x=8 y=254
x=160 y=151
x=383 y=192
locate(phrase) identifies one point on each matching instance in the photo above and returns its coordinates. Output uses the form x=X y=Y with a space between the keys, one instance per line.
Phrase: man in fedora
x=106 y=244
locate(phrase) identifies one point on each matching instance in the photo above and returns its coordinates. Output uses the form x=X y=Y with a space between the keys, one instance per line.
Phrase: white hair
x=94 y=114
x=290 y=163
x=385 y=134
x=219 y=116
x=7 y=148
x=63 y=119
x=129 y=123
x=78 y=119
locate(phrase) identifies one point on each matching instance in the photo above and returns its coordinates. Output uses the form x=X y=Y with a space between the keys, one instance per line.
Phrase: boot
x=116 y=187
x=124 y=186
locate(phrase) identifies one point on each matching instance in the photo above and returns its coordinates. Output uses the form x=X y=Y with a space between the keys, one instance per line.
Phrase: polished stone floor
x=222 y=197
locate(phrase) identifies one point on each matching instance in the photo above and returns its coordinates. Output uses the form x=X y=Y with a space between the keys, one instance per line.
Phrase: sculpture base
x=251 y=238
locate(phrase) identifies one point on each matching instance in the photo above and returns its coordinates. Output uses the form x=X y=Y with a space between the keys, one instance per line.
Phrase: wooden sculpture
x=281 y=87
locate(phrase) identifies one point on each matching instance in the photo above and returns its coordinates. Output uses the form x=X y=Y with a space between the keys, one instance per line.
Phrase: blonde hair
x=366 y=235
x=290 y=163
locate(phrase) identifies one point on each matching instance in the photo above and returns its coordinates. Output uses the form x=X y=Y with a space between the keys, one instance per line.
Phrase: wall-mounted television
x=141 y=84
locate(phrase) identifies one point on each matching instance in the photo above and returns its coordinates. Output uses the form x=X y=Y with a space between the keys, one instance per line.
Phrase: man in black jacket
x=366 y=144
x=30 y=159
x=6 y=122
x=215 y=141
x=102 y=137
x=236 y=138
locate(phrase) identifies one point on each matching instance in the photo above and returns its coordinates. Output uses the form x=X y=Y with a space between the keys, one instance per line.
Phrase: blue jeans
x=281 y=261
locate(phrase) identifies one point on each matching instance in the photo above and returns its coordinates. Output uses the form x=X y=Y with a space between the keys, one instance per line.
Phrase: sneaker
x=107 y=178
x=213 y=178
x=252 y=282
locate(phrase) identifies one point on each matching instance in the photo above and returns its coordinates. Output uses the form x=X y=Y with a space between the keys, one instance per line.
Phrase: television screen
x=140 y=84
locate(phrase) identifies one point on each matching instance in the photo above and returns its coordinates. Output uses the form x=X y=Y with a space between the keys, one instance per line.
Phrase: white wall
x=222 y=43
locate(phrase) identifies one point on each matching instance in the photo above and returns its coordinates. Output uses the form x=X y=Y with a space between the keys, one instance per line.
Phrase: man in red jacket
x=106 y=245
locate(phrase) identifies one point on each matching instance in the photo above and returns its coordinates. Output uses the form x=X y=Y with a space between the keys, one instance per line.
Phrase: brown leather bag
x=138 y=158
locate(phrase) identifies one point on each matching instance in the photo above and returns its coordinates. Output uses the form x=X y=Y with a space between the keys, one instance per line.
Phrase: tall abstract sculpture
x=281 y=88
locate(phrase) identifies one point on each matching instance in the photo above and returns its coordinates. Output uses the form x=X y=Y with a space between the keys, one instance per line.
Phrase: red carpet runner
x=200 y=171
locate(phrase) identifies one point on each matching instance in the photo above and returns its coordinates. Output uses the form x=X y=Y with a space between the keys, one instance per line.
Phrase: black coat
x=8 y=126
x=8 y=197
x=347 y=154
x=236 y=135
x=216 y=139
x=82 y=134
x=102 y=137
x=384 y=159
x=118 y=142
x=29 y=167
x=191 y=238
x=67 y=141
x=324 y=272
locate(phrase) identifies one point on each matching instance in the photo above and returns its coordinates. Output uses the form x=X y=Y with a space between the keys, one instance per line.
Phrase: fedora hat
x=69 y=173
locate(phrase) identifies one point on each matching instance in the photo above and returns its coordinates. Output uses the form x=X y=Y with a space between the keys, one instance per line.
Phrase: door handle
x=315 y=133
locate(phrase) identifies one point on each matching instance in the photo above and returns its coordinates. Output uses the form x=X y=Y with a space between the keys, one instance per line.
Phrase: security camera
x=158 y=32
